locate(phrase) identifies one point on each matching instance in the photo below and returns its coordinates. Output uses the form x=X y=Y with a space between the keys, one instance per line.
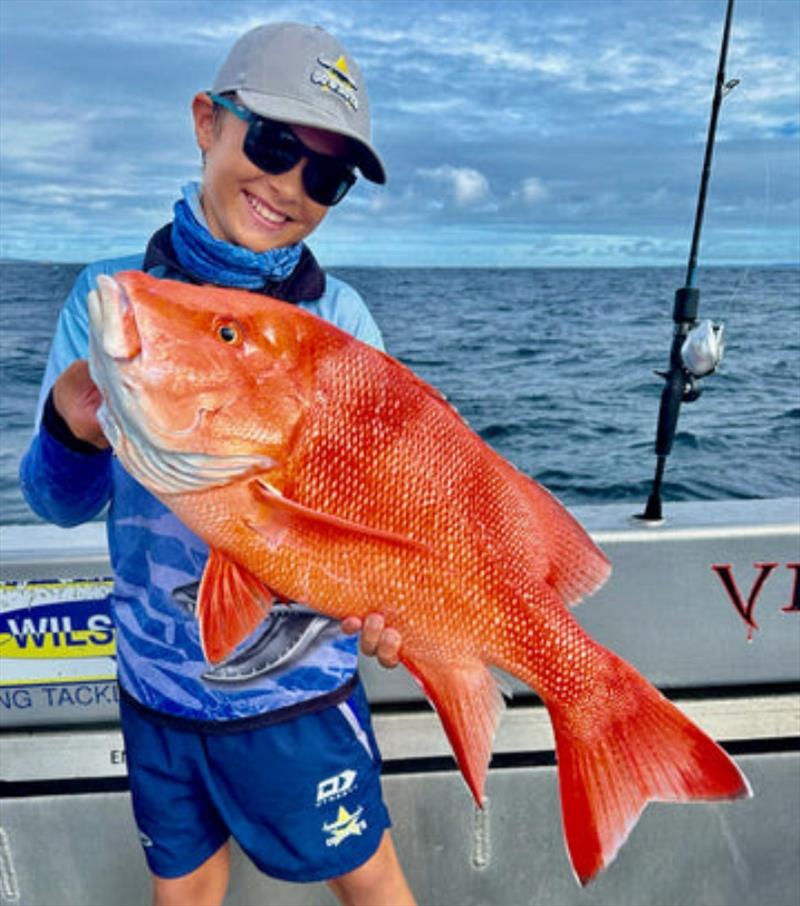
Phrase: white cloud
x=468 y=186
x=430 y=106
x=555 y=115
x=30 y=140
x=533 y=190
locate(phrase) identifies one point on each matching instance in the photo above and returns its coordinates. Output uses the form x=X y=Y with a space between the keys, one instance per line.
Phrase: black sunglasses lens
x=275 y=149
x=327 y=182
x=271 y=147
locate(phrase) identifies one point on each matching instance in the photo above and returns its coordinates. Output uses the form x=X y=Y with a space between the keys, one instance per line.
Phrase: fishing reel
x=698 y=353
x=701 y=353
x=703 y=348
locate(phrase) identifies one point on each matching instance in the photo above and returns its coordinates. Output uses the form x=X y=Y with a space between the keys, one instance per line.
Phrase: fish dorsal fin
x=576 y=565
x=231 y=602
x=277 y=515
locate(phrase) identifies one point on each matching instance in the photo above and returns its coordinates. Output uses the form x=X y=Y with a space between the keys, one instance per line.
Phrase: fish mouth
x=155 y=456
x=113 y=339
x=113 y=320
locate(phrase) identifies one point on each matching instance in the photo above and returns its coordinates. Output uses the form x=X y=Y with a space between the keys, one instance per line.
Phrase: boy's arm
x=65 y=474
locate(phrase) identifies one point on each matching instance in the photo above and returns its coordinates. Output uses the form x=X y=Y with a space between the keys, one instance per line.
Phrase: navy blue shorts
x=301 y=797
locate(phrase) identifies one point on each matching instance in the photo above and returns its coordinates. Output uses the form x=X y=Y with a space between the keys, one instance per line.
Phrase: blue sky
x=527 y=133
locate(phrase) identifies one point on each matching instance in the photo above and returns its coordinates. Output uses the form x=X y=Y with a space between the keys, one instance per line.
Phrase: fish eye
x=230 y=332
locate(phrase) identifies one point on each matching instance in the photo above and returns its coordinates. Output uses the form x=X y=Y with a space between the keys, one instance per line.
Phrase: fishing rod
x=696 y=349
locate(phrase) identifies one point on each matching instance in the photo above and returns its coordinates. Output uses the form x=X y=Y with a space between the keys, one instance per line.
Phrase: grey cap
x=300 y=74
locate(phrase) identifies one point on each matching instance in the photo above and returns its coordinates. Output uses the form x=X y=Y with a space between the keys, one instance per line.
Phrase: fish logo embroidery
x=336 y=77
x=347 y=824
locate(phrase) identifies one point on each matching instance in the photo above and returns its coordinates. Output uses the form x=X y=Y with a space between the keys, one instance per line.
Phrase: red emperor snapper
x=321 y=470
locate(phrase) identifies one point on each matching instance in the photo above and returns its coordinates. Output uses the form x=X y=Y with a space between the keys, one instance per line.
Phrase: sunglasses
x=274 y=148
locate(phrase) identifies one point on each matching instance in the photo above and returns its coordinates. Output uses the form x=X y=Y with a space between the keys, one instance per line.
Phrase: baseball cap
x=300 y=74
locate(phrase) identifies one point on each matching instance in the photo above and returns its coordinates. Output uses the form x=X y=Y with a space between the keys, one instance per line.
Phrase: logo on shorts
x=335 y=787
x=145 y=840
x=347 y=824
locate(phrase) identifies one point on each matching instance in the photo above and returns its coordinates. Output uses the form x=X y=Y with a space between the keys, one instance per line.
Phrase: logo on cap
x=336 y=77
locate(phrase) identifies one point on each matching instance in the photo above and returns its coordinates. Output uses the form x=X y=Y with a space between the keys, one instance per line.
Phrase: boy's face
x=244 y=205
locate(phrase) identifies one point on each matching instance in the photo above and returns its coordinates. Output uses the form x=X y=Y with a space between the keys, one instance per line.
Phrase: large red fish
x=321 y=470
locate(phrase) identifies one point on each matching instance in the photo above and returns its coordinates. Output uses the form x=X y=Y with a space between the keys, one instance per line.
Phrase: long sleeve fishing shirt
x=157 y=562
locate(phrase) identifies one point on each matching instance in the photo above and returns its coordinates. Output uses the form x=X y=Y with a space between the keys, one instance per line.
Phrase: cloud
x=533 y=190
x=469 y=186
x=579 y=119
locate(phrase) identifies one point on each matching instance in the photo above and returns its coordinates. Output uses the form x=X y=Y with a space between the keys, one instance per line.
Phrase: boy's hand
x=77 y=399
x=376 y=640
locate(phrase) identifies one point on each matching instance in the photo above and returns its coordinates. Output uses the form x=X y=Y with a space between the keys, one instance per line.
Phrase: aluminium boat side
x=705 y=605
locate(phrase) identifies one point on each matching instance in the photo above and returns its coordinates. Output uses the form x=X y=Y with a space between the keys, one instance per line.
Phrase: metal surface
x=739 y=853
x=666 y=610
x=665 y=607
x=45 y=755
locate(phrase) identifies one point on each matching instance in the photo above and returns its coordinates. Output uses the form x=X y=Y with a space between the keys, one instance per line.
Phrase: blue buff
x=215 y=261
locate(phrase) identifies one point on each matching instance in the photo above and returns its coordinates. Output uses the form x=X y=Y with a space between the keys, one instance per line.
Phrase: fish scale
x=328 y=473
x=444 y=498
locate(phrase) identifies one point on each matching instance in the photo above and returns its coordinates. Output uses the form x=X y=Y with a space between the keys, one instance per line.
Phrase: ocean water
x=553 y=367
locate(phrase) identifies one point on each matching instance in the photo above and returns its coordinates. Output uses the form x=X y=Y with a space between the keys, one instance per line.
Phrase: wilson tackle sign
x=57 y=651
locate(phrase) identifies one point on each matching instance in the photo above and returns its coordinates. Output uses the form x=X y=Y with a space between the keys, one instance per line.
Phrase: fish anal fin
x=278 y=514
x=469 y=703
x=231 y=602
x=646 y=751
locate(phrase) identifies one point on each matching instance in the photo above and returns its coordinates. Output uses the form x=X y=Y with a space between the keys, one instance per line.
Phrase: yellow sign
x=56 y=631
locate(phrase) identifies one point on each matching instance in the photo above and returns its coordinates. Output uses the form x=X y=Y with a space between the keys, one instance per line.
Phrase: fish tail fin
x=643 y=749
x=469 y=702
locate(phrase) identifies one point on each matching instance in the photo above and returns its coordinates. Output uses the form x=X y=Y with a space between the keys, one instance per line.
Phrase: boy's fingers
x=76 y=399
x=371 y=633
x=389 y=648
x=351 y=625
x=376 y=640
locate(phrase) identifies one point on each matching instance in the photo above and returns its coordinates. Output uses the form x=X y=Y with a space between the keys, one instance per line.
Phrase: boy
x=275 y=745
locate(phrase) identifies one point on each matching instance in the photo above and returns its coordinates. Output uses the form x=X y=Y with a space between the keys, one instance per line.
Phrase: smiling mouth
x=264 y=212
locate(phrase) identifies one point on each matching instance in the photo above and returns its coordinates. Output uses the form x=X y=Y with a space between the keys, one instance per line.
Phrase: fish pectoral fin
x=231 y=602
x=278 y=514
x=469 y=703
